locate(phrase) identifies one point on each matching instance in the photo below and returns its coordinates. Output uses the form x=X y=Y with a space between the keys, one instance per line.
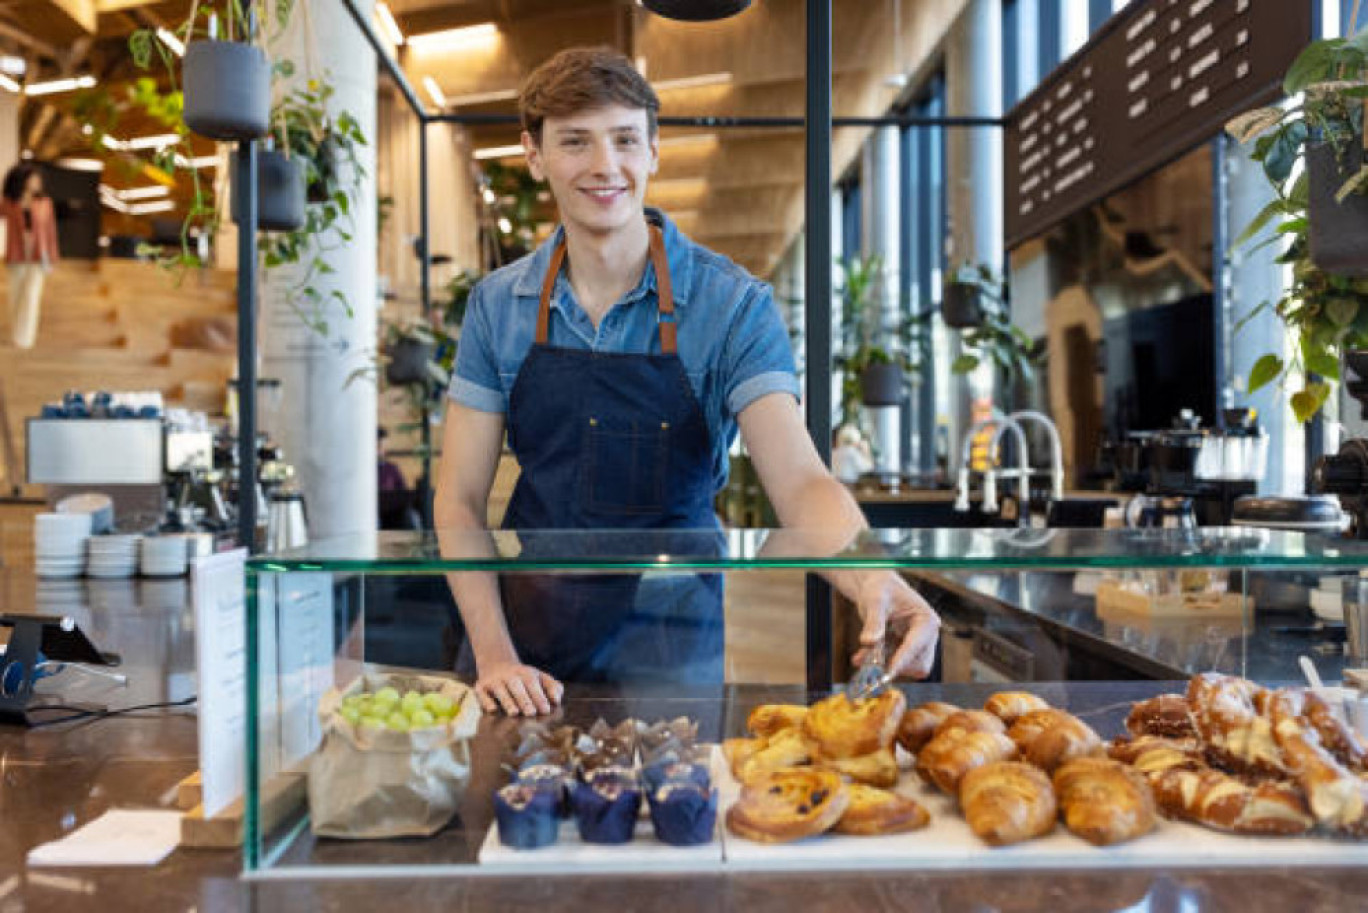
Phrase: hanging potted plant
x=992 y=338
x=280 y=190
x=1319 y=211
x=878 y=355
x=962 y=297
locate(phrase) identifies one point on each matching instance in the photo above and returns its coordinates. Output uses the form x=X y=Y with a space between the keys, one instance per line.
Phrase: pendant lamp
x=695 y=10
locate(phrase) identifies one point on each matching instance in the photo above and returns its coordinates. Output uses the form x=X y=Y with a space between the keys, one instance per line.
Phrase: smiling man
x=621 y=358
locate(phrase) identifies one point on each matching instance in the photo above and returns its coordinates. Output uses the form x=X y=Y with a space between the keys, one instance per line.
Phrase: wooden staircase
x=122 y=325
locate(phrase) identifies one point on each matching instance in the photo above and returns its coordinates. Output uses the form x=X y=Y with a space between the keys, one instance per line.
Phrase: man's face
x=597 y=163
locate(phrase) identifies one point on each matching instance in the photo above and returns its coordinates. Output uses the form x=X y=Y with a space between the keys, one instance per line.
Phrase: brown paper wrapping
x=366 y=783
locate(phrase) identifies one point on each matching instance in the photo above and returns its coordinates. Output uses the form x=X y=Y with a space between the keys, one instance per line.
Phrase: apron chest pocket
x=625 y=466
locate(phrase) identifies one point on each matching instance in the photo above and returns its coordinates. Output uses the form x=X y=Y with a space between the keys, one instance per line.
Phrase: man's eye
x=627 y=140
x=572 y=142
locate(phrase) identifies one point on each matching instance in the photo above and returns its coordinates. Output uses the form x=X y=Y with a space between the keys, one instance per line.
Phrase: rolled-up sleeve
x=475 y=381
x=757 y=358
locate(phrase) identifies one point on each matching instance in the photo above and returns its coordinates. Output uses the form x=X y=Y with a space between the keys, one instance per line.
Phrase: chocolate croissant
x=1007 y=802
x=1104 y=801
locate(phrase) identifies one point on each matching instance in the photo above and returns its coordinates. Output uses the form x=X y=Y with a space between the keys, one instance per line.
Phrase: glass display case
x=1091 y=621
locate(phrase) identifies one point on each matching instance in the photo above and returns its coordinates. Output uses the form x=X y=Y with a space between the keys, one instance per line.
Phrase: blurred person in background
x=30 y=248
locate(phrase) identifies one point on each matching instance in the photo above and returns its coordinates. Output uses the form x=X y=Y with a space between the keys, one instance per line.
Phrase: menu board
x=1159 y=78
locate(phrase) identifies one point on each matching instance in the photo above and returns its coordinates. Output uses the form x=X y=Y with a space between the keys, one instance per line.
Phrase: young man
x=622 y=358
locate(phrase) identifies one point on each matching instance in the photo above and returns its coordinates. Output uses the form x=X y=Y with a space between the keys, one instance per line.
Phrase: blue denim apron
x=612 y=441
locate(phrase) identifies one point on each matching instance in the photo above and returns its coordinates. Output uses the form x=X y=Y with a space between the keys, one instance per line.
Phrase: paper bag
x=367 y=783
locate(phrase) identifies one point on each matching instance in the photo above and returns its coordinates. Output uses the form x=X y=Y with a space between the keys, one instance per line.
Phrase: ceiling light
x=9 y=85
x=693 y=82
x=113 y=202
x=169 y=39
x=59 y=85
x=202 y=161
x=80 y=164
x=488 y=196
x=142 y=209
x=14 y=66
x=387 y=22
x=695 y=10
x=136 y=193
x=152 y=142
x=498 y=152
x=480 y=98
x=455 y=39
x=434 y=92
x=505 y=226
x=110 y=142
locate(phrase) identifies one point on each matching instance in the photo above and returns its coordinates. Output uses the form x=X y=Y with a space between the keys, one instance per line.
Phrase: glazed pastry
x=1338 y=797
x=683 y=813
x=878 y=811
x=1335 y=736
x=1009 y=705
x=1224 y=803
x=527 y=816
x=786 y=748
x=1007 y=802
x=767 y=719
x=1152 y=755
x=1031 y=724
x=1166 y=715
x=970 y=721
x=1068 y=739
x=946 y=759
x=879 y=768
x=739 y=751
x=1237 y=735
x=842 y=728
x=607 y=806
x=1104 y=801
x=919 y=724
x=786 y=805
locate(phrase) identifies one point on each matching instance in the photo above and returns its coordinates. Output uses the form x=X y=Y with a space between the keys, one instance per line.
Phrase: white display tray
x=946 y=843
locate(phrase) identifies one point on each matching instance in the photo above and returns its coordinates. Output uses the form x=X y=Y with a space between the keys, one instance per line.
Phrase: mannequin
x=30 y=248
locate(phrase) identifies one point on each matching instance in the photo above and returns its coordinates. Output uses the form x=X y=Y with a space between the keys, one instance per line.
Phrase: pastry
x=1009 y=705
x=786 y=748
x=945 y=760
x=1068 y=739
x=657 y=775
x=1335 y=736
x=1166 y=715
x=606 y=807
x=683 y=813
x=1221 y=801
x=1007 y=802
x=785 y=805
x=919 y=724
x=1104 y=801
x=1030 y=725
x=1338 y=797
x=1152 y=755
x=1237 y=735
x=527 y=816
x=970 y=721
x=842 y=728
x=739 y=751
x=879 y=768
x=879 y=811
x=767 y=719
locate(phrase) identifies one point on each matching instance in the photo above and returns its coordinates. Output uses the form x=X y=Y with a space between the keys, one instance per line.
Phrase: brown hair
x=581 y=79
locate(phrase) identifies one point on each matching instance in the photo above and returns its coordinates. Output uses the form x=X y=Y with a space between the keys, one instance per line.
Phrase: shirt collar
x=678 y=254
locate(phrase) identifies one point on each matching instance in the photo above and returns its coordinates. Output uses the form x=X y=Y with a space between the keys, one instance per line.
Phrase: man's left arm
x=807 y=497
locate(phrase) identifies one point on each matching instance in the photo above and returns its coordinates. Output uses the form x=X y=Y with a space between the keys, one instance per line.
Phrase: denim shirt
x=732 y=340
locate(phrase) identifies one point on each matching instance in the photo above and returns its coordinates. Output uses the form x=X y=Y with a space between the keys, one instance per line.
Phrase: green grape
x=411 y=701
x=397 y=721
x=439 y=704
x=387 y=697
x=421 y=719
x=350 y=714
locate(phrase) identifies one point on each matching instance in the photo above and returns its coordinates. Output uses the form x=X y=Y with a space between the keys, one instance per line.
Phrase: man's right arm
x=471 y=446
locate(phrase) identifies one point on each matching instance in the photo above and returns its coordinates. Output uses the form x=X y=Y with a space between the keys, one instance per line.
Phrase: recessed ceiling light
x=455 y=39
x=59 y=85
x=434 y=92
x=389 y=24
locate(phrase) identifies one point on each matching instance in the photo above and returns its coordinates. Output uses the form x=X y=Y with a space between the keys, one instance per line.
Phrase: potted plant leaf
x=992 y=337
x=1311 y=151
x=877 y=354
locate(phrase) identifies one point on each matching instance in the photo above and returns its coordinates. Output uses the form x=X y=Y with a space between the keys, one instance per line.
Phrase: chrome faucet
x=1056 y=448
x=990 y=475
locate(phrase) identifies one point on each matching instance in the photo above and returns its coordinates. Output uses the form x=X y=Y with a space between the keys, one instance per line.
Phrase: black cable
x=93 y=715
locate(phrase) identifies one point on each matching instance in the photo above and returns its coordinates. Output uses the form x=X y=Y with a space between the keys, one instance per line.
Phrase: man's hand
x=886 y=601
x=517 y=690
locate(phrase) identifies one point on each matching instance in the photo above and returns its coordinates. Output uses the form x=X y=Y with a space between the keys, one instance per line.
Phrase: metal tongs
x=870 y=679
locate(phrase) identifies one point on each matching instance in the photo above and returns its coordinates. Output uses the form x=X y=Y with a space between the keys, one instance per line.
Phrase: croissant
x=879 y=768
x=1008 y=706
x=1338 y=797
x=1070 y=738
x=1227 y=711
x=842 y=728
x=970 y=721
x=1007 y=802
x=1030 y=725
x=946 y=759
x=767 y=719
x=1220 y=801
x=783 y=805
x=919 y=724
x=1104 y=801
x=786 y=748
x=878 y=811
x=1167 y=715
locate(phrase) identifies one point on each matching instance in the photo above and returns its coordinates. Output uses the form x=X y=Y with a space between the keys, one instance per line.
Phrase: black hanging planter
x=962 y=305
x=1339 y=231
x=227 y=86
x=280 y=191
x=881 y=384
x=696 y=10
x=326 y=166
x=409 y=360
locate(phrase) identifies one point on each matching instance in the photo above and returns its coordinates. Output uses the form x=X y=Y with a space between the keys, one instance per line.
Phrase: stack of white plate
x=100 y=507
x=163 y=556
x=113 y=556
x=59 y=544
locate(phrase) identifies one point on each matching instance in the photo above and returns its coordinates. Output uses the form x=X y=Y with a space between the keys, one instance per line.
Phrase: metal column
x=246 y=181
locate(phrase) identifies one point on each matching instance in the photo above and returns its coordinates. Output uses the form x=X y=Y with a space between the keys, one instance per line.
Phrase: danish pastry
x=879 y=768
x=946 y=759
x=785 y=805
x=767 y=719
x=842 y=728
x=1226 y=711
x=879 y=811
x=1007 y=802
x=1166 y=715
x=919 y=724
x=1104 y=801
x=786 y=748
x=1009 y=705
x=1152 y=755
x=1338 y=797
x=1221 y=801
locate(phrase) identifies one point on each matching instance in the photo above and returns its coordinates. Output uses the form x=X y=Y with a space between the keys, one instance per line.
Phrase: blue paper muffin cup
x=683 y=813
x=526 y=816
x=606 y=808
